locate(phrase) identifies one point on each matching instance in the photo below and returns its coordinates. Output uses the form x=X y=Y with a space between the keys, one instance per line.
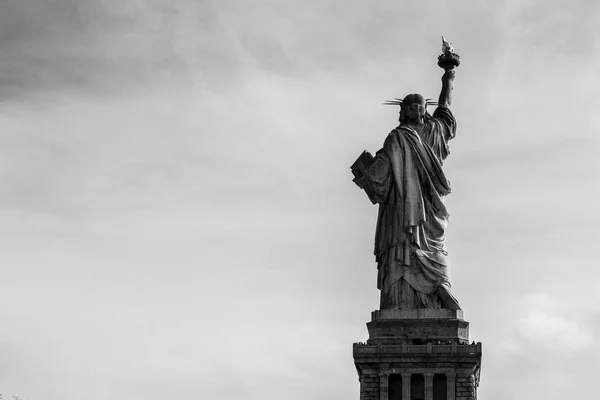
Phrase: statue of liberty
x=406 y=180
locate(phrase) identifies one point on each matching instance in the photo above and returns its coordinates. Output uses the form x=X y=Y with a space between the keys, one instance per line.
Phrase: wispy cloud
x=543 y=323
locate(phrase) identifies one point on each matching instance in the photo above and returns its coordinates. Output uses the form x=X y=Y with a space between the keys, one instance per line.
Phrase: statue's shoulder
x=443 y=112
x=399 y=130
x=395 y=131
x=391 y=140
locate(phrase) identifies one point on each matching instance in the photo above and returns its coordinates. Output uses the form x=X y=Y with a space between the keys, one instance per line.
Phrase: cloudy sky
x=177 y=215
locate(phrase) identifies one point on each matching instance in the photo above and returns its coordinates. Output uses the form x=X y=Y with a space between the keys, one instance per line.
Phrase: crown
x=398 y=102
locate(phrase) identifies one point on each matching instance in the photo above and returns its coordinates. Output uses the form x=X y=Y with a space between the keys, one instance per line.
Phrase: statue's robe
x=407 y=181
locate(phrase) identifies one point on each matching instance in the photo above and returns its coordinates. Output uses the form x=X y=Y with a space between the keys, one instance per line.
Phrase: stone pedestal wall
x=374 y=387
x=442 y=349
x=369 y=386
x=465 y=387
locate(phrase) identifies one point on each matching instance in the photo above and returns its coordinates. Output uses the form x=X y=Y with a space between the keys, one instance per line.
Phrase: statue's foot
x=447 y=299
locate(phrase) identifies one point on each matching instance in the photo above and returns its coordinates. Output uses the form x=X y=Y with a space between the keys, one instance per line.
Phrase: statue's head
x=413 y=108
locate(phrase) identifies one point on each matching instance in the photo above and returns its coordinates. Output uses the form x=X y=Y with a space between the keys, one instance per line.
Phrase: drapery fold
x=408 y=182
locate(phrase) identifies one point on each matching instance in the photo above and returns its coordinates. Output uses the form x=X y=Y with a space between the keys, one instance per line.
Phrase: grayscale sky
x=177 y=217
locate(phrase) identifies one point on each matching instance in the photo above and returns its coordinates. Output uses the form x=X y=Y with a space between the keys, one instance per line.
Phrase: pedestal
x=418 y=355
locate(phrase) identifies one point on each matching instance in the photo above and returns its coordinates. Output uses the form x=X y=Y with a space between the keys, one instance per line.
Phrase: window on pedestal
x=417 y=387
x=439 y=387
x=395 y=387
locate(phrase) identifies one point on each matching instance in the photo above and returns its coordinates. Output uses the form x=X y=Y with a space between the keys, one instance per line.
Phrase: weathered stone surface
x=444 y=349
x=433 y=329
x=369 y=386
x=419 y=313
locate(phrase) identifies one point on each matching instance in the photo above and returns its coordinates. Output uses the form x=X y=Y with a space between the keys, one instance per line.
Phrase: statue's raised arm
x=445 y=99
